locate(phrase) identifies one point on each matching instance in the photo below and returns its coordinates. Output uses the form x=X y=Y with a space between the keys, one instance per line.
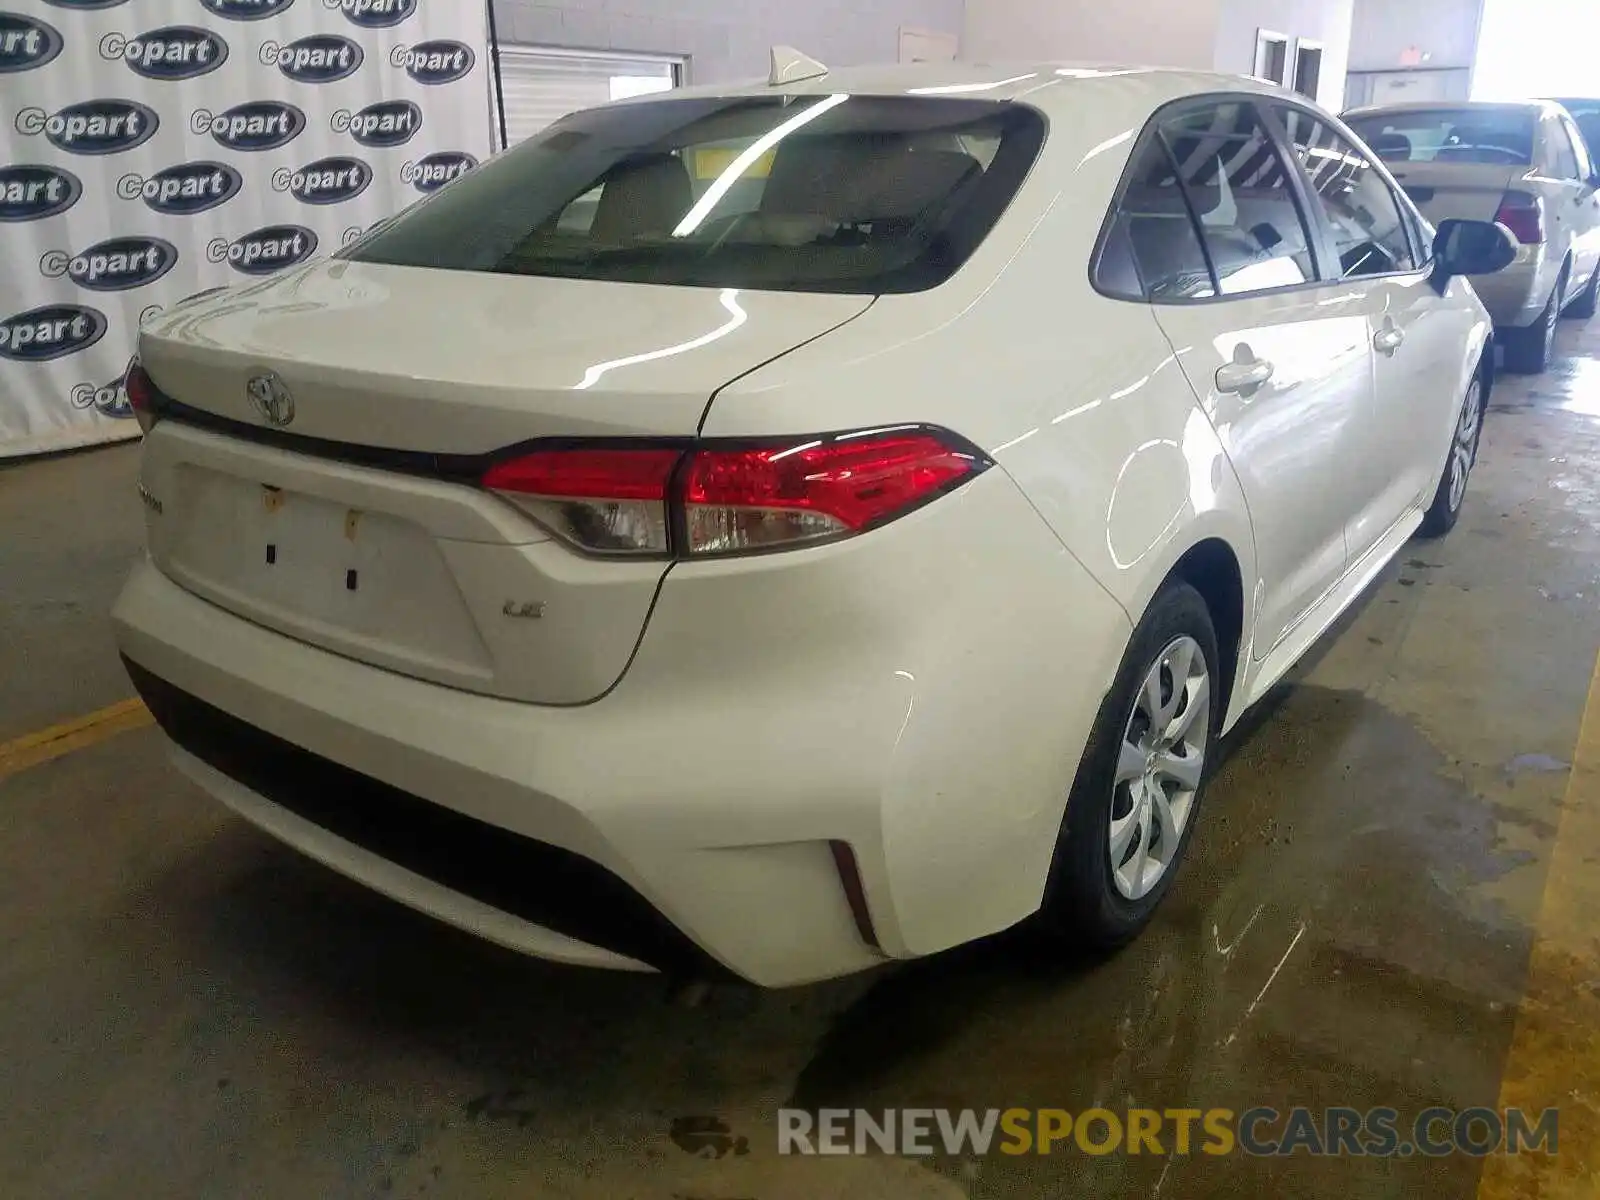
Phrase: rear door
x=1281 y=364
x=1575 y=203
x=1416 y=335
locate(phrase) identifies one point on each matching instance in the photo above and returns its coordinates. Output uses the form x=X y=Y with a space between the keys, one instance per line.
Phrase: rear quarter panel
x=1080 y=398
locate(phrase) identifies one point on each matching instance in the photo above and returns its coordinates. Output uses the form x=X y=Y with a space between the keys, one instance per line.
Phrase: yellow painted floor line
x=1555 y=1051
x=34 y=748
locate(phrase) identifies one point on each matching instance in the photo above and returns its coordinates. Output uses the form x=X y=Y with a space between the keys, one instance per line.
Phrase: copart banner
x=151 y=149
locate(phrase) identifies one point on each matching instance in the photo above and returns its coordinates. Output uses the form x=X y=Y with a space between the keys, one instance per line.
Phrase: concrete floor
x=189 y=1010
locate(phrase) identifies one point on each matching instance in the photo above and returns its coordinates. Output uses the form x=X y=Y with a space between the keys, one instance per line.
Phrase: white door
x=1415 y=335
x=1576 y=211
x=1281 y=364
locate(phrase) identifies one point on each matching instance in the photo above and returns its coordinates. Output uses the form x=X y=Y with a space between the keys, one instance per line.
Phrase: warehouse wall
x=1325 y=21
x=1154 y=32
x=727 y=39
x=1445 y=30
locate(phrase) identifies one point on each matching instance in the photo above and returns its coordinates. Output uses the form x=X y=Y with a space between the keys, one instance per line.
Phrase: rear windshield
x=1450 y=135
x=827 y=193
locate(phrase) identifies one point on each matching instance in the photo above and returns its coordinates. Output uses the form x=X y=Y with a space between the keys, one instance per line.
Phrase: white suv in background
x=785 y=529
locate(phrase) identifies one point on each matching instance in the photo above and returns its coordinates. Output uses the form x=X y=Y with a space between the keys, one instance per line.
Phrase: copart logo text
x=434 y=62
x=253 y=125
x=92 y=126
x=171 y=53
x=265 y=250
x=320 y=58
x=185 y=189
x=26 y=43
x=30 y=191
x=50 y=332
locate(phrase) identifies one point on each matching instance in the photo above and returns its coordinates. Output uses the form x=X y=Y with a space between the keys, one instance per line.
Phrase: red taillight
x=1523 y=214
x=756 y=499
x=141 y=393
x=727 y=500
x=611 y=500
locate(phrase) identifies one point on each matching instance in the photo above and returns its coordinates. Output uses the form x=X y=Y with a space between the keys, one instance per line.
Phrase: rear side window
x=855 y=194
x=1239 y=188
x=1152 y=247
x=1564 y=151
x=1369 y=230
x=1450 y=135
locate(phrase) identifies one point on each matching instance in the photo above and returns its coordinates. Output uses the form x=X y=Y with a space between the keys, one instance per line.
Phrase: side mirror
x=1471 y=248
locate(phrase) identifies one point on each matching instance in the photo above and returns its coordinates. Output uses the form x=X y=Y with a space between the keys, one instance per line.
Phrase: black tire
x=1083 y=906
x=1529 y=351
x=1588 y=301
x=1448 y=499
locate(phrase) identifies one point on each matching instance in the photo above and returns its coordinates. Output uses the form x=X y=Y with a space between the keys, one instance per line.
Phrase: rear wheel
x=1137 y=793
x=1529 y=351
x=1445 y=510
x=1588 y=301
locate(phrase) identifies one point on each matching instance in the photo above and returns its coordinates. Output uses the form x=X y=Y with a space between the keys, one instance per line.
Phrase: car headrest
x=1395 y=147
x=858 y=179
x=643 y=196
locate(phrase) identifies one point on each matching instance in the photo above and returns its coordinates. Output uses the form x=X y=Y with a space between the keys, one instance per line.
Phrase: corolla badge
x=270 y=398
x=29 y=191
x=435 y=62
x=26 y=43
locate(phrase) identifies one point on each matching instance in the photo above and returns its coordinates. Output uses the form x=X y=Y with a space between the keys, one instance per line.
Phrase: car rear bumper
x=692 y=819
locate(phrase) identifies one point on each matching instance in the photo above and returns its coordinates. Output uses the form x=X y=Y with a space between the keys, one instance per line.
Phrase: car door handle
x=1388 y=340
x=1242 y=378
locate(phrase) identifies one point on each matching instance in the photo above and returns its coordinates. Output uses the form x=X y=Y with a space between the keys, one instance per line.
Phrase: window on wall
x=540 y=86
x=1272 y=56
x=1307 y=68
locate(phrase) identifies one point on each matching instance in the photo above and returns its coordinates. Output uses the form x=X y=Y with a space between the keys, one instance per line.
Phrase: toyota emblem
x=271 y=399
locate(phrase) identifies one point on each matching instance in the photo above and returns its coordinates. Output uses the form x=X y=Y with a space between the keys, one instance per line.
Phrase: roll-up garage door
x=540 y=86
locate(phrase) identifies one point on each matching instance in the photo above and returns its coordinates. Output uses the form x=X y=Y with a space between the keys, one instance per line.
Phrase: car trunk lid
x=1457 y=191
x=358 y=526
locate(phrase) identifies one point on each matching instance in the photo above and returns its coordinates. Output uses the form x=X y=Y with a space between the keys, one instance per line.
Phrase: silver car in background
x=1524 y=165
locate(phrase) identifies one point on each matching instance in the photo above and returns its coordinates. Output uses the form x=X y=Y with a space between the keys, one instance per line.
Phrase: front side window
x=1239 y=188
x=1369 y=229
x=854 y=194
x=1450 y=135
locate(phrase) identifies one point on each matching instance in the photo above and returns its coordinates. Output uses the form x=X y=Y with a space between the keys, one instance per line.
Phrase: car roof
x=1528 y=106
x=1047 y=85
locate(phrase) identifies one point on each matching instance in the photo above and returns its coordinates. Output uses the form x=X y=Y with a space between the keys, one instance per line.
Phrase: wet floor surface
x=189 y=1010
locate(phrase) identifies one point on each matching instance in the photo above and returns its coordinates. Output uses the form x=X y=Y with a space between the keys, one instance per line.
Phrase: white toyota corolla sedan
x=788 y=528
